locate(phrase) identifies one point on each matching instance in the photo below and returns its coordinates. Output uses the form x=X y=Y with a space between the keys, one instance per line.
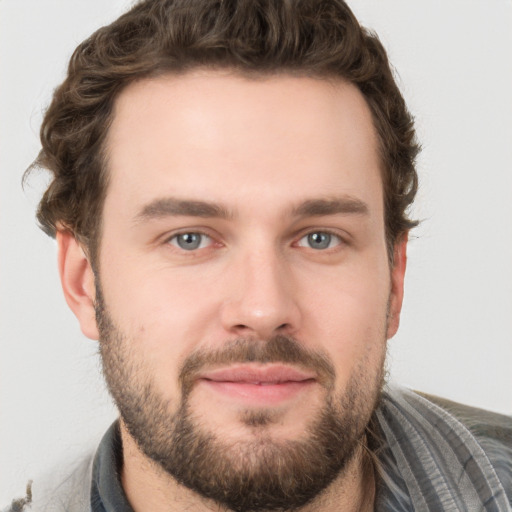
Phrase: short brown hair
x=320 y=38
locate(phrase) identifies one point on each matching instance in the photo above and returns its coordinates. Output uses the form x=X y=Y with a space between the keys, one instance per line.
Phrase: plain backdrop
x=454 y=65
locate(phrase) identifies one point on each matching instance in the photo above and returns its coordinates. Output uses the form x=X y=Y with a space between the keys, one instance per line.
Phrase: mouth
x=259 y=385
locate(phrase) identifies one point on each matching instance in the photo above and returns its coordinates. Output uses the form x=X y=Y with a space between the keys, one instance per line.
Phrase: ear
x=77 y=279
x=397 y=285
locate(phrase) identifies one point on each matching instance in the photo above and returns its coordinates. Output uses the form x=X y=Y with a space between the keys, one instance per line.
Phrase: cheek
x=153 y=294
x=166 y=315
x=347 y=317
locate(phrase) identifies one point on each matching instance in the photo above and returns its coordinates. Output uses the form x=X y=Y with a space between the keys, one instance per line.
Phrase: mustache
x=278 y=349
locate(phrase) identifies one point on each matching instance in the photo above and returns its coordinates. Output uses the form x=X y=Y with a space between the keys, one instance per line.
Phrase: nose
x=262 y=301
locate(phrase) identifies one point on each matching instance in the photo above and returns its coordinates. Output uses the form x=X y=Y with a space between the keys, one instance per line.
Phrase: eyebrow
x=331 y=206
x=170 y=206
x=173 y=207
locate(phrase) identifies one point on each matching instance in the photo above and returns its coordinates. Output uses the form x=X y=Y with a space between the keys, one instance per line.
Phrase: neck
x=149 y=487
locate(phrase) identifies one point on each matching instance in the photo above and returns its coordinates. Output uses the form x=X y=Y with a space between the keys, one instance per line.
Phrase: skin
x=259 y=149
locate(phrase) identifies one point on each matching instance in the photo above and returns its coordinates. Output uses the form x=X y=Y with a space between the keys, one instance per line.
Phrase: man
x=229 y=200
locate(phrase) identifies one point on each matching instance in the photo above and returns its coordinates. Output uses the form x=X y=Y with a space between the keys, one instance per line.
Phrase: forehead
x=224 y=137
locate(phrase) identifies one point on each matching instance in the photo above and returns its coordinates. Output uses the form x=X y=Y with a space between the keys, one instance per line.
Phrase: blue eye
x=190 y=241
x=319 y=240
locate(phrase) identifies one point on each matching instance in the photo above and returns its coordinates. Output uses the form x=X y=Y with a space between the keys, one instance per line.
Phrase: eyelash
x=330 y=233
x=197 y=233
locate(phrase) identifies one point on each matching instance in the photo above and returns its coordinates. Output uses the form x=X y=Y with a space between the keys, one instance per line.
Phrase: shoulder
x=492 y=432
x=433 y=412
x=481 y=423
x=66 y=490
x=444 y=452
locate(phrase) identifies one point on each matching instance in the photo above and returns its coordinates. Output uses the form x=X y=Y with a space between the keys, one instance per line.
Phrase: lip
x=259 y=385
x=254 y=374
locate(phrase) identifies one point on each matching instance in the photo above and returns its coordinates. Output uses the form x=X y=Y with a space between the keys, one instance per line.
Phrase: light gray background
x=454 y=60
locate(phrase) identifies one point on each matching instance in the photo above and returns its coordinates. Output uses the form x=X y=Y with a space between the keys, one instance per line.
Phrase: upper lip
x=267 y=374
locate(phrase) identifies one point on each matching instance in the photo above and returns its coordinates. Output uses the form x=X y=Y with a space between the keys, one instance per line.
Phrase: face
x=244 y=294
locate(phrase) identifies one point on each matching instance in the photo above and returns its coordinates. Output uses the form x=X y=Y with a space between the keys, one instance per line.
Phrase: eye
x=190 y=241
x=320 y=240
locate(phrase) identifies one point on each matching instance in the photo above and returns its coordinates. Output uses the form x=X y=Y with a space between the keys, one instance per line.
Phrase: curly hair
x=319 y=38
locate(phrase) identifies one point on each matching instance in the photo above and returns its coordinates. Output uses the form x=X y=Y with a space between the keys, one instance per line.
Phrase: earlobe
x=397 y=285
x=77 y=279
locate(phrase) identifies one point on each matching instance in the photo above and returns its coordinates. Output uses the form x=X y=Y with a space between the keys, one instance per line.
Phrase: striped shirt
x=432 y=455
x=442 y=456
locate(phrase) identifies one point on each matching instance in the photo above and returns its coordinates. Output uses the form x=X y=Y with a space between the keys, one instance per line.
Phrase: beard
x=259 y=474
